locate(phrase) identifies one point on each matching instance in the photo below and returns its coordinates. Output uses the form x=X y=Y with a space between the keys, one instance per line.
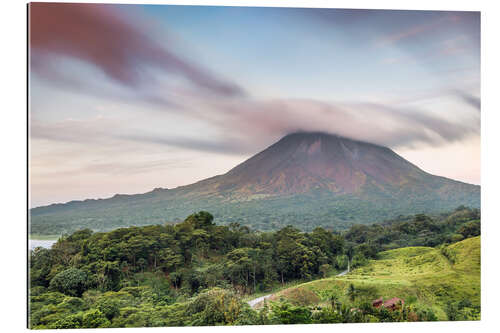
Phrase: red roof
x=393 y=301
x=390 y=303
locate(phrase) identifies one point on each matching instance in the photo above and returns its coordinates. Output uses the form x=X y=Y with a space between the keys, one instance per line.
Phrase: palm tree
x=351 y=292
x=333 y=300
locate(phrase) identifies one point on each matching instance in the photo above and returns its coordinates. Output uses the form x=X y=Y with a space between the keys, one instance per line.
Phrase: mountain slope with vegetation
x=305 y=179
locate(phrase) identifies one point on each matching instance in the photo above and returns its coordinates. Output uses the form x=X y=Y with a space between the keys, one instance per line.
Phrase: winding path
x=253 y=303
x=256 y=301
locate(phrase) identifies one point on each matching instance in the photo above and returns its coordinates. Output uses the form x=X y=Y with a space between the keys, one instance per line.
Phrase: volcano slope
x=304 y=179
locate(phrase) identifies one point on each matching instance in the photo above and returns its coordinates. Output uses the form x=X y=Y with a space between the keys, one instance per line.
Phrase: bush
x=215 y=307
x=110 y=308
x=37 y=291
x=326 y=316
x=72 y=282
x=73 y=321
x=425 y=314
x=288 y=314
x=71 y=304
x=94 y=319
x=456 y=238
x=470 y=229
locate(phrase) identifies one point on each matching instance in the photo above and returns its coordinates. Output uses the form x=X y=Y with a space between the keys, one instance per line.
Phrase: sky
x=127 y=98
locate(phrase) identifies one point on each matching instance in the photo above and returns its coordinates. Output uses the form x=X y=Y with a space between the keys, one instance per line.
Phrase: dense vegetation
x=440 y=283
x=198 y=273
x=305 y=211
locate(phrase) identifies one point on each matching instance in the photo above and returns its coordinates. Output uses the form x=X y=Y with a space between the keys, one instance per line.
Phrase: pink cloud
x=103 y=36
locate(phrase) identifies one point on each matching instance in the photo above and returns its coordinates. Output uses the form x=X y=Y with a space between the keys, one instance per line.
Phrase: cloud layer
x=106 y=37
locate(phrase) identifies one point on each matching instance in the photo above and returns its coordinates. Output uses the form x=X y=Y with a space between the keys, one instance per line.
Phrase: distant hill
x=305 y=179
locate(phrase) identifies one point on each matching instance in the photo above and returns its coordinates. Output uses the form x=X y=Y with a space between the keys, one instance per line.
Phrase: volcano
x=306 y=179
x=302 y=162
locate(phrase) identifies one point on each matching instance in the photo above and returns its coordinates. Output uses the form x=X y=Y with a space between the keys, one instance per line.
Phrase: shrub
x=288 y=314
x=216 y=306
x=109 y=307
x=326 y=316
x=37 y=291
x=94 y=318
x=73 y=321
x=72 y=282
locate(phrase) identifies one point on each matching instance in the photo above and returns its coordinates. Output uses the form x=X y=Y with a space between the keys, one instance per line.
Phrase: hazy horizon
x=127 y=98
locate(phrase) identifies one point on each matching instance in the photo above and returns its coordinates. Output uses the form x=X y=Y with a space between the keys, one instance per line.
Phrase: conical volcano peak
x=305 y=178
x=304 y=161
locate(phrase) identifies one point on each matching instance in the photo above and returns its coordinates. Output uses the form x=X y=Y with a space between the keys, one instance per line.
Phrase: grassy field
x=422 y=276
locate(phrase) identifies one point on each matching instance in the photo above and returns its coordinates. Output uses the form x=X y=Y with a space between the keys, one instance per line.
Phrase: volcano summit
x=306 y=179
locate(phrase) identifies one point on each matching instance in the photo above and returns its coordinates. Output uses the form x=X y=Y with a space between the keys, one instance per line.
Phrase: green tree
x=351 y=292
x=470 y=229
x=72 y=321
x=286 y=313
x=215 y=307
x=71 y=282
x=324 y=269
x=200 y=220
x=94 y=318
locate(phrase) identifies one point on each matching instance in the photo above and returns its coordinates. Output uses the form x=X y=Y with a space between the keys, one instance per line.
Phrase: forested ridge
x=198 y=273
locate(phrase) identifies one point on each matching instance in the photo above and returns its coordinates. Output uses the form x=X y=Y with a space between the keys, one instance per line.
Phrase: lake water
x=33 y=243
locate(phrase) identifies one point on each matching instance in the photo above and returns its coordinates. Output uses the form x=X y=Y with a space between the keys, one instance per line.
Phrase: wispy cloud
x=416 y=30
x=107 y=38
x=235 y=145
x=267 y=121
x=471 y=100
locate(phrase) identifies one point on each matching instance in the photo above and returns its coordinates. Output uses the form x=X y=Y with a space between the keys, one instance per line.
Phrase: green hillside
x=303 y=211
x=307 y=180
x=444 y=280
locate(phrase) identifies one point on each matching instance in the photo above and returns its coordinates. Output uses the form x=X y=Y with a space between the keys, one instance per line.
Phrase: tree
x=200 y=241
x=239 y=265
x=169 y=260
x=333 y=300
x=109 y=307
x=71 y=282
x=200 y=220
x=111 y=275
x=94 y=318
x=351 y=292
x=215 y=307
x=324 y=269
x=470 y=229
x=142 y=263
x=288 y=314
x=41 y=261
x=73 y=321
x=255 y=256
